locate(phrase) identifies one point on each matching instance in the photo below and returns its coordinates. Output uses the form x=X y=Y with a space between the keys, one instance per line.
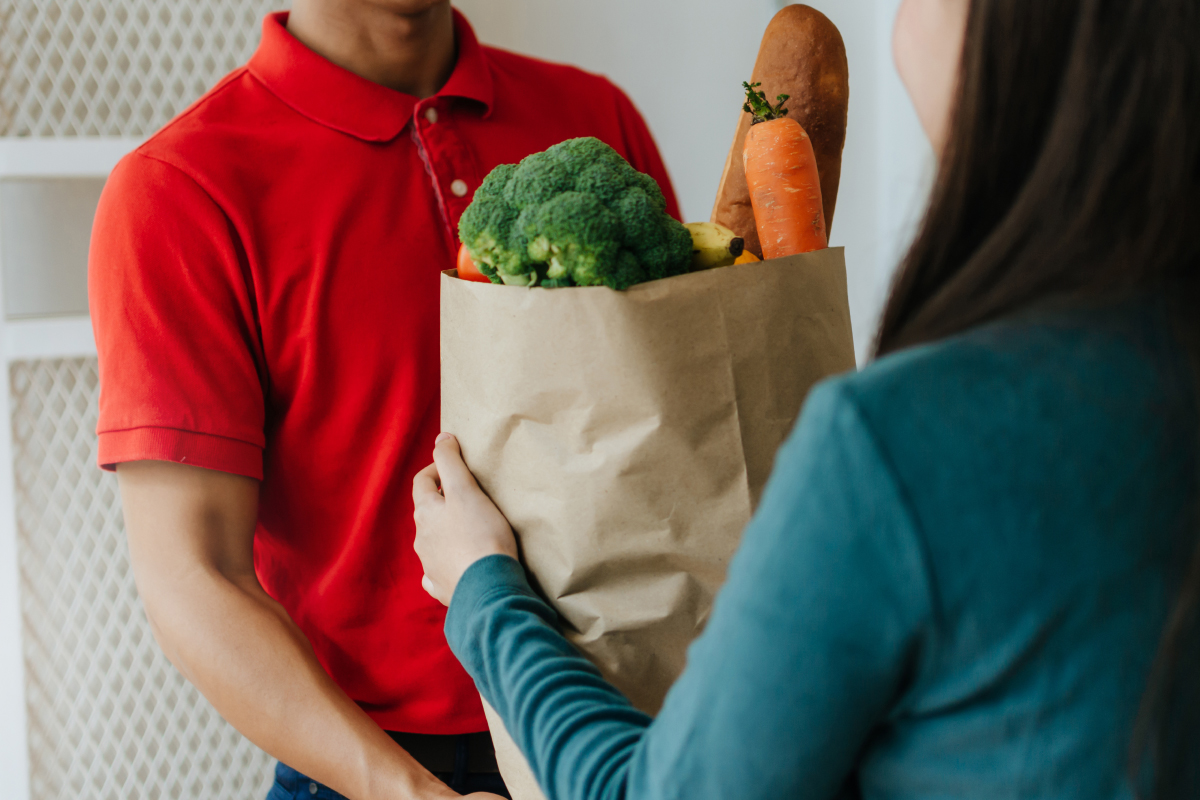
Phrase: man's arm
x=191 y=535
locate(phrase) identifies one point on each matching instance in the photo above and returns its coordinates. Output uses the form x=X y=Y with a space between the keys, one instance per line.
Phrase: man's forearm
x=242 y=651
x=191 y=542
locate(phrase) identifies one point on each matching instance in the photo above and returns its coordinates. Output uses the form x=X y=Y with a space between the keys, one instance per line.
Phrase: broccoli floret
x=653 y=191
x=663 y=249
x=537 y=179
x=493 y=185
x=576 y=236
x=496 y=246
x=576 y=214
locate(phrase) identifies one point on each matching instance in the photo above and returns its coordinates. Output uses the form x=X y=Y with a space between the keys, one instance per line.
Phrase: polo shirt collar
x=339 y=99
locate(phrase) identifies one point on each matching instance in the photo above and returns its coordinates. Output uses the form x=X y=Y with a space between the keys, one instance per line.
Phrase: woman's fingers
x=427 y=486
x=434 y=590
x=457 y=525
x=451 y=469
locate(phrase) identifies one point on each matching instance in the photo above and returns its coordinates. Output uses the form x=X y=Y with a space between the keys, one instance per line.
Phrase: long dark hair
x=1072 y=173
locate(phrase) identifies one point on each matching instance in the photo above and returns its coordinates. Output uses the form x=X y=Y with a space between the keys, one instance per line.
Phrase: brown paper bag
x=627 y=437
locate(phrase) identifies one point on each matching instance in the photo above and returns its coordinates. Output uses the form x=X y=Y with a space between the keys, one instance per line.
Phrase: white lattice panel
x=109 y=717
x=116 y=67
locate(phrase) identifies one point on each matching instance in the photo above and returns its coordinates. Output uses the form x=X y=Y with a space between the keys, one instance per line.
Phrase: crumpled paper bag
x=627 y=437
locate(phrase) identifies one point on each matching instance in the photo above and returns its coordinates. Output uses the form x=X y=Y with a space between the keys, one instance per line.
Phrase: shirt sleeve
x=823 y=615
x=181 y=376
x=642 y=150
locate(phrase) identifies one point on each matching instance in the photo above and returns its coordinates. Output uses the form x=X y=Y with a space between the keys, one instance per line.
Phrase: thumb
x=452 y=470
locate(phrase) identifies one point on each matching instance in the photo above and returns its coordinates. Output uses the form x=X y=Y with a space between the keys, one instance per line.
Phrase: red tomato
x=467 y=269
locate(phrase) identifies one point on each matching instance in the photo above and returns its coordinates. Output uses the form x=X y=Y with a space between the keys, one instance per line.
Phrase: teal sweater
x=954 y=588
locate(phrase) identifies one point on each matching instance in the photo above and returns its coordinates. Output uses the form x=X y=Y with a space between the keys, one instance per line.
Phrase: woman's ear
x=927 y=45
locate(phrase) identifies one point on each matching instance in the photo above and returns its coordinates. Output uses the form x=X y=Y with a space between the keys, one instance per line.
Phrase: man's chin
x=410 y=7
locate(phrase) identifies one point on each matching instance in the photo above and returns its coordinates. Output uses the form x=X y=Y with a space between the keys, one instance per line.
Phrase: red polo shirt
x=264 y=291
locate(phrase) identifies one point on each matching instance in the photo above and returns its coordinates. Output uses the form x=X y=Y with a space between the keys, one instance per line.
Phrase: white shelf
x=82 y=157
x=48 y=337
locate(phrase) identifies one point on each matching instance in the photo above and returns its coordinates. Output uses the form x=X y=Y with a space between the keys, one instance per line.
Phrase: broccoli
x=574 y=215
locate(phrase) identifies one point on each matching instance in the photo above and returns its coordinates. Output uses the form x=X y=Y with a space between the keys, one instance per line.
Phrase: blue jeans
x=291 y=785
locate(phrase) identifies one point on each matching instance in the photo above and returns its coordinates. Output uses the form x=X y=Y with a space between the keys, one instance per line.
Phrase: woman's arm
x=811 y=645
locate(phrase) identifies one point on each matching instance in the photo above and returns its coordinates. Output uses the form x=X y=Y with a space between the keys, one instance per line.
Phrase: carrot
x=781 y=171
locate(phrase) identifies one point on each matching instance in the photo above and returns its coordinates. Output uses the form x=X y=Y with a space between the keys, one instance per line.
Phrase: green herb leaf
x=759 y=107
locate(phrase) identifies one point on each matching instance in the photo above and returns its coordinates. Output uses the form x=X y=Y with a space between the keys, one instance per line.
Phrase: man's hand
x=456 y=522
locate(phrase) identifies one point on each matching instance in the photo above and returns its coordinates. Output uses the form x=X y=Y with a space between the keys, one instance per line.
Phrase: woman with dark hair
x=974 y=572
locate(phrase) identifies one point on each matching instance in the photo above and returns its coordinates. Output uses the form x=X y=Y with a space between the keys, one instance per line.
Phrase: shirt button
x=459 y=187
x=312 y=788
x=431 y=115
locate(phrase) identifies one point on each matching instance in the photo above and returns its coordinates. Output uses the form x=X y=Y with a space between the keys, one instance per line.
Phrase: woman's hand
x=456 y=522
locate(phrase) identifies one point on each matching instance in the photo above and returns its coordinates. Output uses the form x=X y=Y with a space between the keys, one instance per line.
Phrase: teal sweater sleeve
x=813 y=641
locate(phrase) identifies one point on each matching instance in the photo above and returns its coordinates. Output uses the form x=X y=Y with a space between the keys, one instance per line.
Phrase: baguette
x=802 y=55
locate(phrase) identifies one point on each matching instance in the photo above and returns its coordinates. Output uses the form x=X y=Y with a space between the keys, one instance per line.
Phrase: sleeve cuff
x=484 y=579
x=182 y=447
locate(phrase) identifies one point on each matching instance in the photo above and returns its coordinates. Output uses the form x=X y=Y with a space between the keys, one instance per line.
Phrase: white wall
x=683 y=61
x=887 y=166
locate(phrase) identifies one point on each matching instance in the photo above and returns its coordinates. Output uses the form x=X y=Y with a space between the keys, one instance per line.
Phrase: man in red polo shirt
x=264 y=290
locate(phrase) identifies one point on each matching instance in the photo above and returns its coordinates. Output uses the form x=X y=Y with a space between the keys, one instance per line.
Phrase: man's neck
x=412 y=52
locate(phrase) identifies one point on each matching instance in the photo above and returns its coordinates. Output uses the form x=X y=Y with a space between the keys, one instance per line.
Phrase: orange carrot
x=781 y=171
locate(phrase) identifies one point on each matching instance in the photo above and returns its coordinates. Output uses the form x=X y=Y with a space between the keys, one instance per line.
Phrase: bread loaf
x=802 y=55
